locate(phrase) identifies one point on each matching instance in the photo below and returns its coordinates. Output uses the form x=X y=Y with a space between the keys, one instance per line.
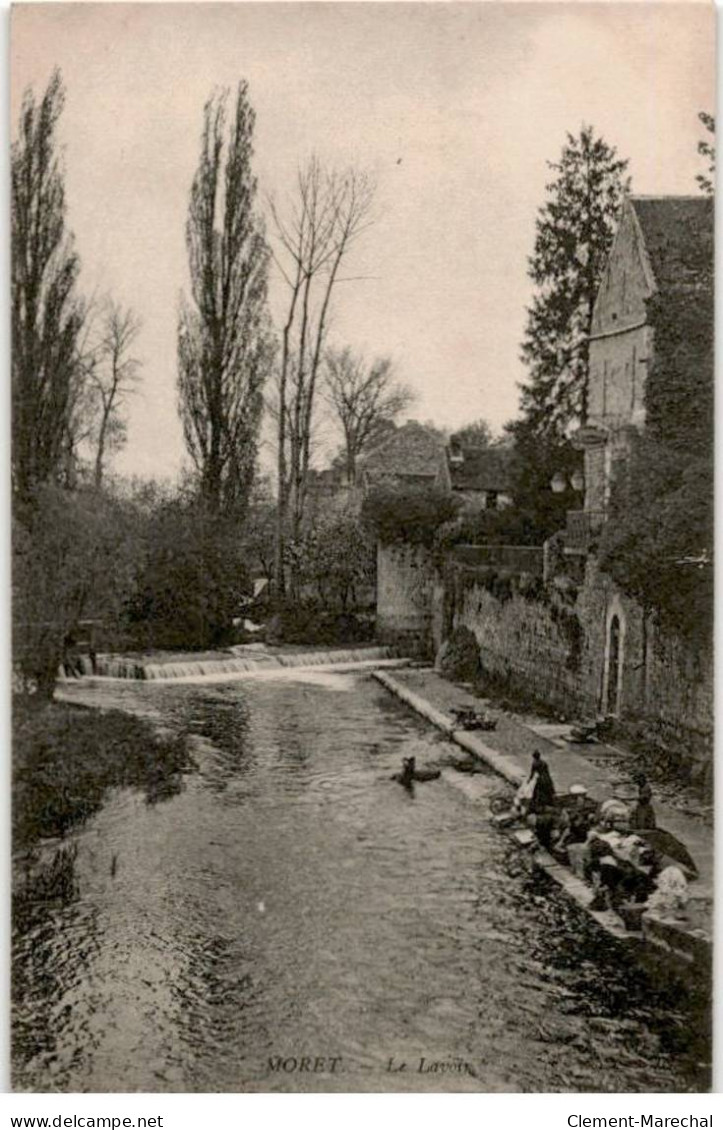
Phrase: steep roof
x=678 y=236
x=413 y=451
x=481 y=469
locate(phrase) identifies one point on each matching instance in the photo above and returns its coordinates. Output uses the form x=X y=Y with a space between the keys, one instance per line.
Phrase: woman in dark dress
x=543 y=795
x=643 y=814
x=542 y=804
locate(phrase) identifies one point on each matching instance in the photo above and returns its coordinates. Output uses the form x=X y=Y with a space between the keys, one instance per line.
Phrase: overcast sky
x=455 y=108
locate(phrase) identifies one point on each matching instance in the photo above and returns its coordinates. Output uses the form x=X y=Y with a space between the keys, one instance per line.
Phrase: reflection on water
x=293 y=920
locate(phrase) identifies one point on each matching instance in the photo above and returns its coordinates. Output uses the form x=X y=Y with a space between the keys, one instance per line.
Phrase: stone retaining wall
x=555 y=646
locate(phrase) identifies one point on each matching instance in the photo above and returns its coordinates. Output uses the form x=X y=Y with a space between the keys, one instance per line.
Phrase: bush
x=458 y=657
x=310 y=624
x=74 y=555
x=194 y=578
x=406 y=513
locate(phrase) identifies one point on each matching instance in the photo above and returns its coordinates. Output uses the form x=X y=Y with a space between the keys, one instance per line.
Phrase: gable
x=627 y=281
x=412 y=452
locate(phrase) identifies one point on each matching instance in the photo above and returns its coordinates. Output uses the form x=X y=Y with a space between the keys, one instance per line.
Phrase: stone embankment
x=508 y=749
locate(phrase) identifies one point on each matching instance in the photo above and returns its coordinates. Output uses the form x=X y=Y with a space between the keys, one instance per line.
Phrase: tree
x=365 y=399
x=575 y=229
x=47 y=312
x=476 y=434
x=336 y=557
x=192 y=576
x=706 y=182
x=225 y=348
x=402 y=512
x=112 y=375
x=329 y=212
x=537 y=458
x=74 y=556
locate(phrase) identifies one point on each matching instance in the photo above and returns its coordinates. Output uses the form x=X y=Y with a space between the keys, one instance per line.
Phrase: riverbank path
x=514 y=740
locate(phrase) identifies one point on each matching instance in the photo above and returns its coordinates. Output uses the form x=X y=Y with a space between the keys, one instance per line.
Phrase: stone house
x=663 y=246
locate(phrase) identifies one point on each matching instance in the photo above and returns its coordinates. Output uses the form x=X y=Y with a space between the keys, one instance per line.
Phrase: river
x=295 y=921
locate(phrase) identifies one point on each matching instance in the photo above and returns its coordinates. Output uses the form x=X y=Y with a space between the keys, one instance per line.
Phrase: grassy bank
x=65 y=758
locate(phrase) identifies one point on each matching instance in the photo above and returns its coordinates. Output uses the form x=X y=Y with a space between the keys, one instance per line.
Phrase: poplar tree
x=225 y=347
x=47 y=312
x=575 y=228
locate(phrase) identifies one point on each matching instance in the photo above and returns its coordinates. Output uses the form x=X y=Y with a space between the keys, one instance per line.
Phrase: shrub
x=408 y=513
x=459 y=656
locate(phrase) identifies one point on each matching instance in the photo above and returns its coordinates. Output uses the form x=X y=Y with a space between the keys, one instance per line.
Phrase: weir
x=239 y=661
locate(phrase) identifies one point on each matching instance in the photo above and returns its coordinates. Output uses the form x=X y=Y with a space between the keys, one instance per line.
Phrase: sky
x=454 y=108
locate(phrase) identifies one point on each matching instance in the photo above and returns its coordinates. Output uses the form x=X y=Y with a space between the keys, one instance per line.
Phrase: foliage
x=706 y=182
x=537 y=459
x=225 y=347
x=575 y=229
x=459 y=656
x=679 y=391
x=47 y=313
x=259 y=531
x=365 y=399
x=335 y=557
x=405 y=513
x=65 y=757
x=476 y=434
x=658 y=544
x=309 y=623
x=74 y=555
x=193 y=578
x=509 y=526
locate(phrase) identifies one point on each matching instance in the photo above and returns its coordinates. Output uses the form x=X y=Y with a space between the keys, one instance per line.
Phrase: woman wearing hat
x=577 y=818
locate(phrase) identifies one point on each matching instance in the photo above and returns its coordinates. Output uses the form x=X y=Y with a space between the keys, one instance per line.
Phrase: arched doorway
x=614 y=666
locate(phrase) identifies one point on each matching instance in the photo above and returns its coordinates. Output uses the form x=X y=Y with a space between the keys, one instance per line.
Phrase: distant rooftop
x=412 y=452
x=479 y=468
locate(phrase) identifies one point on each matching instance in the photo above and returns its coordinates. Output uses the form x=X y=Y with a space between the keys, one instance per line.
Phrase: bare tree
x=225 y=346
x=328 y=213
x=365 y=399
x=112 y=376
x=47 y=312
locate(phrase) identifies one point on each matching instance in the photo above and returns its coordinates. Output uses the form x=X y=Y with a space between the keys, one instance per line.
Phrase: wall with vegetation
x=549 y=644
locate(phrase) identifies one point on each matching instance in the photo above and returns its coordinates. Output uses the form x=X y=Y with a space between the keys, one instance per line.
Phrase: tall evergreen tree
x=224 y=340
x=575 y=228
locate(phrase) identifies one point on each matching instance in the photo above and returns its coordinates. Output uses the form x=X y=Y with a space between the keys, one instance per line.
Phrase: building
x=417 y=456
x=661 y=255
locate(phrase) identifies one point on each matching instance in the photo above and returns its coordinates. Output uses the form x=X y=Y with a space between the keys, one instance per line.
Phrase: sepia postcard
x=362 y=365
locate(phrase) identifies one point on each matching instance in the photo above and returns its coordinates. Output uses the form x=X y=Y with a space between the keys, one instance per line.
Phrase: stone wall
x=556 y=647
x=405 y=579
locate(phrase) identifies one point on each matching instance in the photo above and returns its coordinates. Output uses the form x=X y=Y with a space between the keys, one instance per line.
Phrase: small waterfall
x=241 y=660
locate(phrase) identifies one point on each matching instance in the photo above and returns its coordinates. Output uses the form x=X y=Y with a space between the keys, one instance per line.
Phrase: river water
x=294 y=920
